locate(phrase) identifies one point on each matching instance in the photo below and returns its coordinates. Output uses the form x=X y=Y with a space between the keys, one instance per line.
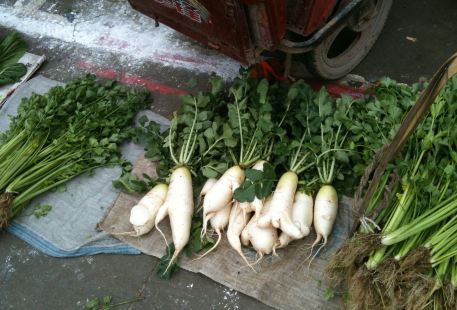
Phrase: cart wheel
x=344 y=49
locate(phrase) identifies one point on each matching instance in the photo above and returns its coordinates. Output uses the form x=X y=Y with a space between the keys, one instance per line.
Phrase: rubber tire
x=321 y=66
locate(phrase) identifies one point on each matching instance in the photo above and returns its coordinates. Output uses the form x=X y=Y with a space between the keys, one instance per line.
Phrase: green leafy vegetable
x=413 y=210
x=12 y=48
x=197 y=243
x=130 y=183
x=12 y=73
x=97 y=304
x=57 y=136
x=42 y=210
x=257 y=184
x=93 y=304
x=106 y=303
x=164 y=262
x=61 y=188
x=329 y=293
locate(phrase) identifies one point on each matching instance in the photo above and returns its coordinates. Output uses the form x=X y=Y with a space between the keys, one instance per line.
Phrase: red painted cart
x=334 y=35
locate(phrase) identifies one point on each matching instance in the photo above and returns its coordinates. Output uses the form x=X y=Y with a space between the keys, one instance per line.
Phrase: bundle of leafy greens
x=405 y=256
x=260 y=142
x=209 y=149
x=57 y=136
x=12 y=48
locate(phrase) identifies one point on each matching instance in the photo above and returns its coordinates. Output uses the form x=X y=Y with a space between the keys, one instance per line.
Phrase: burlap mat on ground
x=283 y=282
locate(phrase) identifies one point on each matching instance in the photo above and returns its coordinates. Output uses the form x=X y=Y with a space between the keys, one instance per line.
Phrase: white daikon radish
x=278 y=215
x=205 y=189
x=179 y=206
x=221 y=193
x=302 y=216
x=207 y=186
x=237 y=222
x=245 y=233
x=257 y=204
x=246 y=207
x=325 y=211
x=263 y=239
x=219 y=222
x=143 y=214
x=283 y=241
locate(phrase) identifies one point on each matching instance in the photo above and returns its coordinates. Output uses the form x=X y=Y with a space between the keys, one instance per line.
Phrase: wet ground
x=418 y=37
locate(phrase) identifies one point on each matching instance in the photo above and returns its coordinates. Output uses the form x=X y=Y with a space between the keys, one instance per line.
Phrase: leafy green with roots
x=250 y=119
x=185 y=153
x=332 y=151
x=296 y=153
x=287 y=145
x=195 y=135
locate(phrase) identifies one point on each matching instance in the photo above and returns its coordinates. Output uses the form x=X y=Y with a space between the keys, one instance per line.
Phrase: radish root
x=259 y=259
x=206 y=218
x=318 y=239
x=172 y=260
x=219 y=237
x=248 y=264
x=127 y=233
x=161 y=214
x=162 y=234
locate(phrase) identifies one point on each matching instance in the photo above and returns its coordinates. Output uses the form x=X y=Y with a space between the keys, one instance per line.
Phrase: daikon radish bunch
x=187 y=148
x=143 y=214
x=260 y=178
x=220 y=219
x=332 y=154
x=298 y=158
x=246 y=132
x=301 y=215
x=263 y=239
x=279 y=215
x=258 y=184
x=293 y=152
